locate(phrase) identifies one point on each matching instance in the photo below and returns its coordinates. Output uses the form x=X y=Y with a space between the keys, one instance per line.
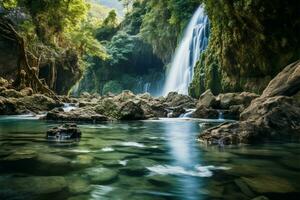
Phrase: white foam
x=132 y=144
x=199 y=171
x=123 y=162
x=99 y=191
x=80 y=151
x=107 y=149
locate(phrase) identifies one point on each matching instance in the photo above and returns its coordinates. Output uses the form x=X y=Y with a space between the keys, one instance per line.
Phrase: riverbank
x=273 y=115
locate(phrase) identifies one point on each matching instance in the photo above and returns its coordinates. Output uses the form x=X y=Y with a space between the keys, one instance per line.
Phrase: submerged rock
x=99 y=175
x=35 y=185
x=64 y=132
x=269 y=184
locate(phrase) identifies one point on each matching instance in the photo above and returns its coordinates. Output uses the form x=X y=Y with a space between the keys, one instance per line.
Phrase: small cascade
x=188 y=114
x=67 y=107
x=221 y=115
x=194 y=42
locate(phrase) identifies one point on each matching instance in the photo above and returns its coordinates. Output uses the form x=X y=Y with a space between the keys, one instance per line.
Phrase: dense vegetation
x=84 y=40
x=139 y=47
x=251 y=41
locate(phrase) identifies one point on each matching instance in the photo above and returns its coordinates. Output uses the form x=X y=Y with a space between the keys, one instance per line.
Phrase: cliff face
x=250 y=42
x=52 y=70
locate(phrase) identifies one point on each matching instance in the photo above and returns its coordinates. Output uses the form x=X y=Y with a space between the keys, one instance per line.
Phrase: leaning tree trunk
x=27 y=74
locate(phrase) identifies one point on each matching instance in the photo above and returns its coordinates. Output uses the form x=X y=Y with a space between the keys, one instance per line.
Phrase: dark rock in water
x=205 y=113
x=64 y=132
x=176 y=111
x=269 y=117
x=229 y=104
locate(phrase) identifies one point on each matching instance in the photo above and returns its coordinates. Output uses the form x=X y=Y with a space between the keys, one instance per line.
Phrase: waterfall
x=187 y=54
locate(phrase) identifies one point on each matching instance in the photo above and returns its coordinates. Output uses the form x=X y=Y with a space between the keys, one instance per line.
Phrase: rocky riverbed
x=273 y=115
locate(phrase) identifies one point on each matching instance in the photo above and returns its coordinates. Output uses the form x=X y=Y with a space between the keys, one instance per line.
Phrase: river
x=140 y=160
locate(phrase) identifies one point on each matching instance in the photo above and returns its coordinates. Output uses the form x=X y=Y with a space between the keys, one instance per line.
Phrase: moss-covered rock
x=250 y=42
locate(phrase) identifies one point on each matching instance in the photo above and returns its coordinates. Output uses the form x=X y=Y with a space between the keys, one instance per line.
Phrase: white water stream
x=194 y=42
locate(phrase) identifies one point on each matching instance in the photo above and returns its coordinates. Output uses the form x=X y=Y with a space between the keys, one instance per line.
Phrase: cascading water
x=194 y=42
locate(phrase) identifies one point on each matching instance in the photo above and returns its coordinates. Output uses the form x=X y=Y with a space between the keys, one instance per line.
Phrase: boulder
x=35 y=185
x=77 y=115
x=231 y=99
x=174 y=99
x=11 y=93
x=286 y=83
x=124 y=96
x=38 y=102
x=131 y=111
x=206 y=113
x=64 y=132
x=275 y=118
x=207 y=99
x=269 y=117
x=176 y=111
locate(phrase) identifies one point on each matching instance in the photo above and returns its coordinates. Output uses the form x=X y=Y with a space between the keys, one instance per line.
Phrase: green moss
x=112 y=86
x=250 y=42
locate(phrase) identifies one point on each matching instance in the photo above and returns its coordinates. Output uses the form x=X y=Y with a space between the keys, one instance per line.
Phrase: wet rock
x=260 y=198
x=176 y=111
x=131 y=111
x=269 y=184
x=268 y=117
x=206 y=113
x=174 y=99
x=82 y=161
x=101 y=175
x=78 y=185
x=37 y=103
x=80 y=197
x=64 y=132
x=126 y=95
x=8 y=106
x=286 y=83
x=52 y=160
x=231 y=99
x=138 y=166
x=35 y=185
x=159 y=180
x=243 y=187
x=207 y=100
x=77 y=115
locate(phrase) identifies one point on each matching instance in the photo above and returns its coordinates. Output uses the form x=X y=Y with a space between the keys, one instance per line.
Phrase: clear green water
x=140 y=160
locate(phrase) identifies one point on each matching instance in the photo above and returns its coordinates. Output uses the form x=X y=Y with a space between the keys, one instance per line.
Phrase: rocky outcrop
x=64 y=132
x=274 y=115
x=228 y=106
x=78 y=115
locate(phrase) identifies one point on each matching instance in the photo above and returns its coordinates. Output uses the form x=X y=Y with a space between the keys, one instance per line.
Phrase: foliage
x=120 y=47
x=248 y=43
x=108 y=28
x=113 y=87
x=164 y=22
